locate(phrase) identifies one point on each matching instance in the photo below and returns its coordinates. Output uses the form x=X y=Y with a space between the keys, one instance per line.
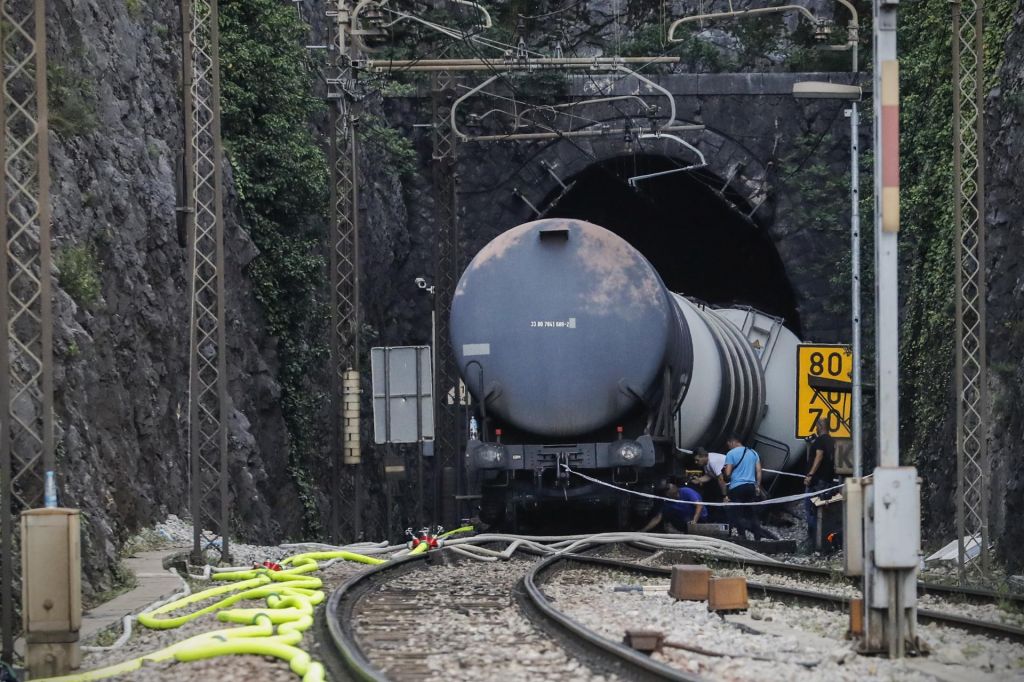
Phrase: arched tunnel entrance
x=700 y=244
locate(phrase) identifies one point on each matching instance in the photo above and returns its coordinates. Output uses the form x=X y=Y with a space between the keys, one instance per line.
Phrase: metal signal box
x=897 y=517
x=853 y=527
x=51 y=566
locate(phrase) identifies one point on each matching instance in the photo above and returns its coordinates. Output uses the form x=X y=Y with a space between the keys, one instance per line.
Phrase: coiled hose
x=291 y=595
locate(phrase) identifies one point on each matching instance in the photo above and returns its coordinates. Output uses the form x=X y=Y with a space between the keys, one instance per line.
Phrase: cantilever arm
x=737 y=13
x=616 y=67
x=703 y=162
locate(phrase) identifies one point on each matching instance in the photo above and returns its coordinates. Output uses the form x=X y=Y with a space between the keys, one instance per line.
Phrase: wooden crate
x=727 y=594
x=689 y=582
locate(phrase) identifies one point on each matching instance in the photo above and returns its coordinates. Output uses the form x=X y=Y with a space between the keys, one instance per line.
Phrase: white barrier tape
x=782 y=473
x=761 y=503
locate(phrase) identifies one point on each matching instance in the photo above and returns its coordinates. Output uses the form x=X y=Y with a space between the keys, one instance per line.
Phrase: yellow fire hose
x=456 y=531
x=291 y=595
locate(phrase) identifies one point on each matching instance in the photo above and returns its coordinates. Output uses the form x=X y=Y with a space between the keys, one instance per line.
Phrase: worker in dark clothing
x=742 y=470
x=677 y=515
x=821 y=471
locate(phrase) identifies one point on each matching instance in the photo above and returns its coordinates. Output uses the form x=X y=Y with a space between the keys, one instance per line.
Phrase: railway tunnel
x=698 y=238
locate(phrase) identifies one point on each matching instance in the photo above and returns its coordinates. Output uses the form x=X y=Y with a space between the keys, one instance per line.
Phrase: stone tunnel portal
x=699 y=242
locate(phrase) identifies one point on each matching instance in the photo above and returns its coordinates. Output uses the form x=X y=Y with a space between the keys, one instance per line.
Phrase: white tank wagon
x=578 y=358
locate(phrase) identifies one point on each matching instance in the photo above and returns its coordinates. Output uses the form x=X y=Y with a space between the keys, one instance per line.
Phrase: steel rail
x=632 y=664
x=350 y=659
x=340 y=609
x=986 y=628
x=976 y=594
x=936 y=589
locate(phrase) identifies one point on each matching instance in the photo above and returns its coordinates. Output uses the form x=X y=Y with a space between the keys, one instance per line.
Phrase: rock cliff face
x=122 y=352
x=1005 y=213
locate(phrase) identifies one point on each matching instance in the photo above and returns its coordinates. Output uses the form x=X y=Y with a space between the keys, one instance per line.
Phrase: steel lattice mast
x=204 y=191
x=346 y=455
x=972 y=467
x=447 y=394
x=26 y=313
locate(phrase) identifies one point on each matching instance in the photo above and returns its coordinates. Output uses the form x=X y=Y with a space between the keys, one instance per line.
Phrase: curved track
x=634 y=665
x=365 y=620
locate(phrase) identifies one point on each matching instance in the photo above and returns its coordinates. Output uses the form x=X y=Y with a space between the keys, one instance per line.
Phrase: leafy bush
x=79 y=273
x=72 y=112
x=399 y=150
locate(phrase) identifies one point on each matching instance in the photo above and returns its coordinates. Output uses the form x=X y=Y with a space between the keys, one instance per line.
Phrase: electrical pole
x=892 y=509
x=447 y=395
x=972 y=466
x=208 y=388
x=346 y=458
x=26 y=309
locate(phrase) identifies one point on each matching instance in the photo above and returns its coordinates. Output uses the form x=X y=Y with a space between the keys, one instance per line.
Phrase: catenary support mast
x=972 y=467
x=26 y=309
x=208 y=391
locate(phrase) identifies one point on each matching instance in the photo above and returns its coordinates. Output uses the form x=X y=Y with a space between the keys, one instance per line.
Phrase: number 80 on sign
x=823 y=388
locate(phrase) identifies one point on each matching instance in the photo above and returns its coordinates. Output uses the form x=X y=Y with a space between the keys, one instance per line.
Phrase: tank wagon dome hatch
x=562 y=327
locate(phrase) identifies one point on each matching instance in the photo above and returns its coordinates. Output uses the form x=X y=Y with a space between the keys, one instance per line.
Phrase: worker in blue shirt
x=677 y=515
x=743 y=472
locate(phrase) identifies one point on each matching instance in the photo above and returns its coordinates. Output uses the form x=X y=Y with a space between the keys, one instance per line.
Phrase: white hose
x=573 y=543
x=464 y=551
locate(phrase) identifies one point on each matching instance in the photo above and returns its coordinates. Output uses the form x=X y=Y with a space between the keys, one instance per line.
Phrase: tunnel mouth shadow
x=691 y=227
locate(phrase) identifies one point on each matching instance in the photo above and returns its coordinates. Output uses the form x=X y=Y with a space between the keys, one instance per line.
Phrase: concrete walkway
x=154 y=583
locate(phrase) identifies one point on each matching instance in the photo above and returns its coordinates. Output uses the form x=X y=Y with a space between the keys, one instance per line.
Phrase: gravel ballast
x=800 y=643
x=468 y=627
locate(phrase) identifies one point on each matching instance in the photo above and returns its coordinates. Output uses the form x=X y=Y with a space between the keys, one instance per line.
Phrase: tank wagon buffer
x=578 y=356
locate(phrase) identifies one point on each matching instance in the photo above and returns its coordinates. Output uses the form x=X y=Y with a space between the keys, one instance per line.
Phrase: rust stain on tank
x=623 y=280
x=497 y=249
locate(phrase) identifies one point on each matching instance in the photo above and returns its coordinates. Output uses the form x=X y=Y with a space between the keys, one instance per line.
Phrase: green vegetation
x=79 y=269
x=375 y=132
x=281 y=177
x=72 y=112
x=927 y=241
x=134 y=8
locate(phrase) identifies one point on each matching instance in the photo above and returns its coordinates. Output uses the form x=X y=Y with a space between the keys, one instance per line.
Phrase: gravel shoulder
x=799 y=643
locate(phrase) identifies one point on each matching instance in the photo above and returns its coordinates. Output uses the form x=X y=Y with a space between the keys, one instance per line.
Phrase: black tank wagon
x=578 y=357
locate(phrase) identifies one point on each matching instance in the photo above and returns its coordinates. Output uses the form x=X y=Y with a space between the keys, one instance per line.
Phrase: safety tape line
x=761 y=503
x=782 y=473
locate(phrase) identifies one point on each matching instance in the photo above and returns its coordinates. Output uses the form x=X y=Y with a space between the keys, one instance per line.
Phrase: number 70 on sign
x=823 y=379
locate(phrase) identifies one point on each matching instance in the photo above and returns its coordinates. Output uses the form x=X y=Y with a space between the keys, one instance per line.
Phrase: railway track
x=424 y=617
x=792 y=594
x=970 y=594
x=973 y=595
x=439 y=616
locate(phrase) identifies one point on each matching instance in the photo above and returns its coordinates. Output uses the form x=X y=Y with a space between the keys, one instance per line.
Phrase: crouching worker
x=676 y=515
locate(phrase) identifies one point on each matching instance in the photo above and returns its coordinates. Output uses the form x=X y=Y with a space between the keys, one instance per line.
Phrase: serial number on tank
x=554 y=324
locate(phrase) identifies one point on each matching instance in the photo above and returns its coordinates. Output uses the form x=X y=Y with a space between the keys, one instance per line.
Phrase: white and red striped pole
x=892 y=523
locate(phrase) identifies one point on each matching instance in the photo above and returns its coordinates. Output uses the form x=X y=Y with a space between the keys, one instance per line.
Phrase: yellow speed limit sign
x=823 y=388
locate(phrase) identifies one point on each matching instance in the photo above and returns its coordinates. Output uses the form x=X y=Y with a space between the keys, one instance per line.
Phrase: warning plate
x=823 y=388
